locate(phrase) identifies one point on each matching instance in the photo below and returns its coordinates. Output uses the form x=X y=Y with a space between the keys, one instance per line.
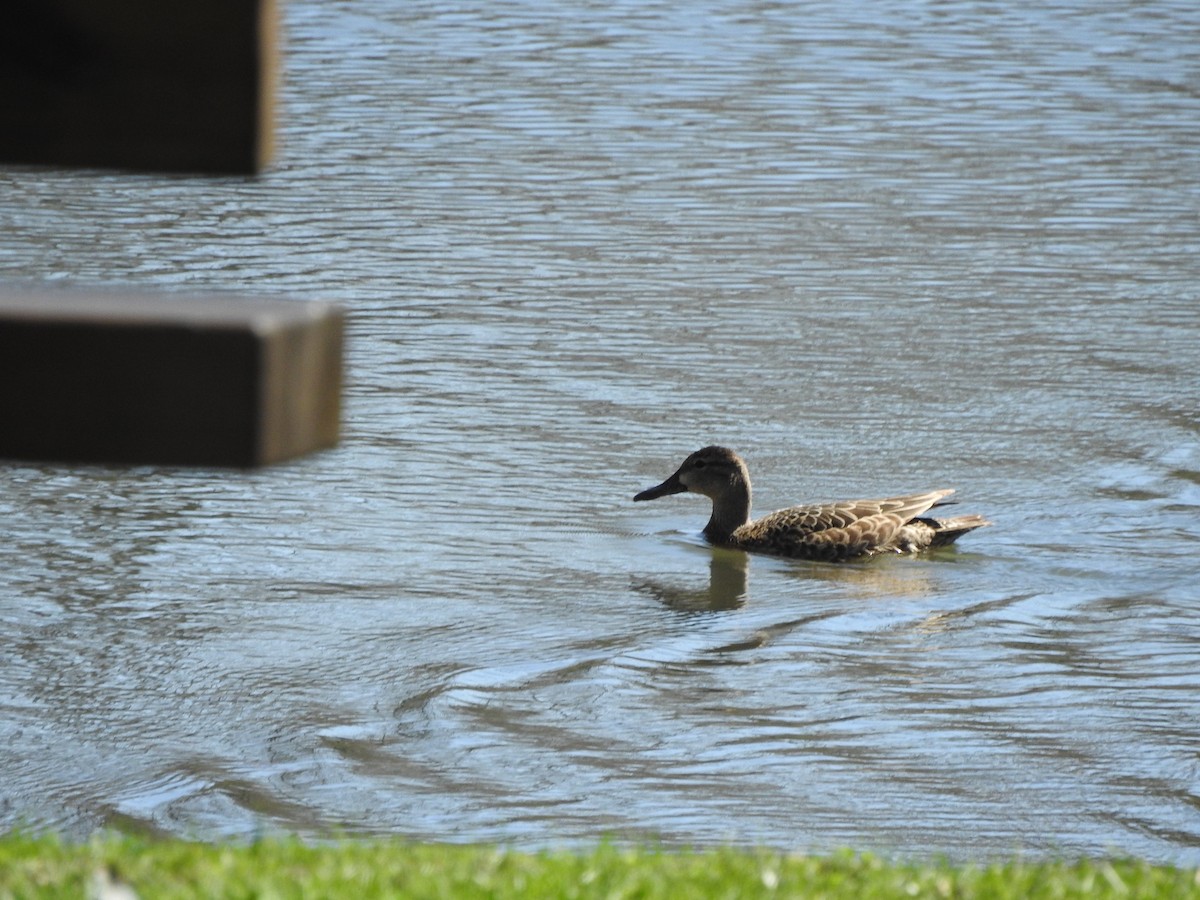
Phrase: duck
x=833 y=532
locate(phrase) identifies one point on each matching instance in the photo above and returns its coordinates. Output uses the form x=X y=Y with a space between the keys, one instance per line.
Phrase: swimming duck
x=822 y=531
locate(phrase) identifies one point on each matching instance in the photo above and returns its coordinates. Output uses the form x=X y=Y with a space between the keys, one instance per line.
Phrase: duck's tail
x=947 y=531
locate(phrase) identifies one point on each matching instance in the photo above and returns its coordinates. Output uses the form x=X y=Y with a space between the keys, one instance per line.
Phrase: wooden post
x=173 y=379
x=147 y=84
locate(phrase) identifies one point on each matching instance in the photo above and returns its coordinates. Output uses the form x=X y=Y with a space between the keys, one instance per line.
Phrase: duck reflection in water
x=726 y=589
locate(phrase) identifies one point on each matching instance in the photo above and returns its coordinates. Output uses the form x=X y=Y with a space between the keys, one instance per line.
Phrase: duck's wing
x=836 y=530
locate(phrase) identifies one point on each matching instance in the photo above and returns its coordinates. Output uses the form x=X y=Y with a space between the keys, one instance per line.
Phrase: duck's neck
x=731 y=510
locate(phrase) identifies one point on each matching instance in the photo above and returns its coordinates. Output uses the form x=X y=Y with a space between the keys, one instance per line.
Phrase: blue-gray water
x=876 y=248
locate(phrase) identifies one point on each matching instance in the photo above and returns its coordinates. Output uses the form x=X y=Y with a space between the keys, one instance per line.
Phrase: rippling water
x=885 y=248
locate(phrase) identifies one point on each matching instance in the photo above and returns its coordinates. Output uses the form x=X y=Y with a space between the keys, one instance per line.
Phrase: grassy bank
x=46 y=867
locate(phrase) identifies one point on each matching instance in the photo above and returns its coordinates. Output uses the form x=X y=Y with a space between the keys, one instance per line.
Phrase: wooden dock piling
x=141 y=84
x=94 y=376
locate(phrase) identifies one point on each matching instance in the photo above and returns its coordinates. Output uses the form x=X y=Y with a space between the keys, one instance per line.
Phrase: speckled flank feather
x=822 y=531
x=837 y=531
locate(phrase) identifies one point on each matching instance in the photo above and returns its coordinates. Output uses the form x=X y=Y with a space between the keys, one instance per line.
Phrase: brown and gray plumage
x=823 y=531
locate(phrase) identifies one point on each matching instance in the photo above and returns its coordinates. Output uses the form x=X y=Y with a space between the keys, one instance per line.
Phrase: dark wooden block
x=173 y=379
x=138 y=83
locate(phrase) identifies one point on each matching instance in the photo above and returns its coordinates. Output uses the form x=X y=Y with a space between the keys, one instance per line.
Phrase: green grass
x=46 y=867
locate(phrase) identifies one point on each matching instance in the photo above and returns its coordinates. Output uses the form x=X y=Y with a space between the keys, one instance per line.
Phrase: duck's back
x=842 y=530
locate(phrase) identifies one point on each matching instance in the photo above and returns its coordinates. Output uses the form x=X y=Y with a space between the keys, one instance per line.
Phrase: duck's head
x=714 y=472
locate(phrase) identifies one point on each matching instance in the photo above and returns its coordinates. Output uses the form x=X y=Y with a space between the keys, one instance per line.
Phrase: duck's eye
x=698 y=464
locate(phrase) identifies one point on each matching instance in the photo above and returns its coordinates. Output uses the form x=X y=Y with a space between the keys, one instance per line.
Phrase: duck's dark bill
x=670 y=486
